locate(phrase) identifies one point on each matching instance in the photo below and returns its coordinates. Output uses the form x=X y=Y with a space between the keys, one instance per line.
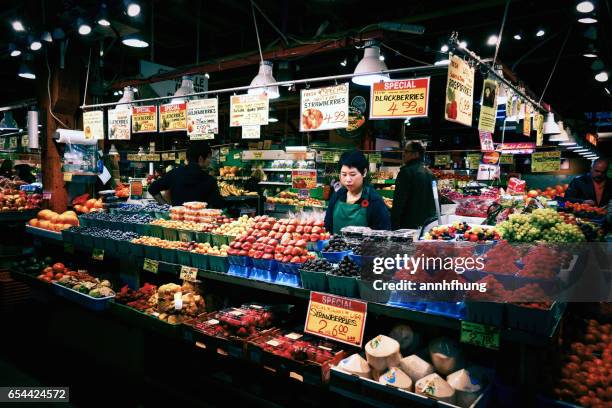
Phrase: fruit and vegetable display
x=479 y=234
x=148 y=208
x=32 y=265
x=317 y=265
x=185 y=225
x=228 y=171
x=131 y=218
x=193 y=213
x=584 y=210
x=584 y=376
x=236 y=322
x=14 y=199
x=346 y=268
x=122 y=190
x=549 y=192
x=235 y=227
x=158 y=242
x=171 y=303
x=474 y=206
x=83 y=204
x=290 y=198
x=207 y=248
x=336 y=244
x=97 y=232
x=84 y=283
x=52 y=221
x=542 y=224
x=228 y=190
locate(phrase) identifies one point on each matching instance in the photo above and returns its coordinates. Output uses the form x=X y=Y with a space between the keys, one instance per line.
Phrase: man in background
x=413 y=200
x=593 y=188
x=190 y=182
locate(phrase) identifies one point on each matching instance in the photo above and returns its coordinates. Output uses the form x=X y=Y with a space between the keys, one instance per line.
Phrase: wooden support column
x=64 y=87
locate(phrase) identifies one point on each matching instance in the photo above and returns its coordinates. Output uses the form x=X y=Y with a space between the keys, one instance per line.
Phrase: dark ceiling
x=226 y=28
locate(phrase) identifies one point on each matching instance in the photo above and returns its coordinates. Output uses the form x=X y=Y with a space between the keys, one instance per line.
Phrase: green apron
x=346 y=215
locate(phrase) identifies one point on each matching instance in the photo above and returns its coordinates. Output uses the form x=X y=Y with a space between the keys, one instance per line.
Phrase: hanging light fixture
x=370 y=63
x=602 y=76
x=186 y=88
x=561 y=136
x=7 y=122
x=272 y=116
x=14 y=51
x=103 y=16
x=24 y=70
x=46 y=37
x=571 y=141
x=35 y=45
x=263 y=79
x=83 y=27
x=585 y=7
x=135 y=40
x=133 y=9
x=128 y=96
x=18 y=25
x=550 y=126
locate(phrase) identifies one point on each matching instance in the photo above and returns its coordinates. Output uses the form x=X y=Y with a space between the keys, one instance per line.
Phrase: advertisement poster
x=442 y=159
x=490 y=158
x=486 y=141
x=93 y=125
x=251 y=132
x=304 y=178
x=173 y=117
x=488 y=108
x=202 y=119
x=459 y=91
x=119 y=124
x=527 y=121
x=403 y=98
x=517 y=148
x=473 y=160
x=488 y=172
x=509 y=103
x=324 y=108
x=506 y=159
x=249 y=110
x=539 y=127
x=144 y=119
x=542 y=162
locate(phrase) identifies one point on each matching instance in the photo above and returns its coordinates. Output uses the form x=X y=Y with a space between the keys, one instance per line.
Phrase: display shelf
x=18 y=215
x=275 y=183
x=56 y=236
x=240 y=198
x=270 y=169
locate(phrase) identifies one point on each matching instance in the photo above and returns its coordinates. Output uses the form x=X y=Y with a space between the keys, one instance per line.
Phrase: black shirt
x=413 y=199
x=189 y=183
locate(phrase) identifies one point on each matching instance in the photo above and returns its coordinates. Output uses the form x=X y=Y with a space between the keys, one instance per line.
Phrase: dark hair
x=197 y=149
x=415 y=146
x=596 y=162
x=356 y=159
x=6 y=169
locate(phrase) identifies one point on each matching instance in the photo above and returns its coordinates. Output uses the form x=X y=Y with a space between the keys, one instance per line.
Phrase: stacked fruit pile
x=501 y=259
x=206 y=248
x=240 y=322
x=157 y=242
x=336 y=244
x=129 y=218
x=541 y=262
x=297 y=346
x=236 y=227
x=13 y=199
x=317 y=265
x=542 y=224
x=585 y=210
x=97 y=232
x=346 y=268
x=87 y=206
x=185 y=225
x=479 y=234
x=52 y=221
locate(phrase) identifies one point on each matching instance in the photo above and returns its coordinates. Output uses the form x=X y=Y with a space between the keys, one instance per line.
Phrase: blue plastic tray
x=335 y=257
x=289 y=268
x=267 y=264
x=288 y=279
x=450 y=309
x=263 y=275
x=91 y=303
x=239 y=260
x=237 y=270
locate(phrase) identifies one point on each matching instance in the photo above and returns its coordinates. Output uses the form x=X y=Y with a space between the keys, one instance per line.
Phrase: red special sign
x=336 y=318
x=403 y=98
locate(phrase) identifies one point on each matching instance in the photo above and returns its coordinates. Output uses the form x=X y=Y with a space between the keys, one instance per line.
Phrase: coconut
x=416 y=367
x=436 y=387
x=396 y=378
x=445 y=355
x=355 y=364
x=405 y=336
x=382 y=352
x=467 y=387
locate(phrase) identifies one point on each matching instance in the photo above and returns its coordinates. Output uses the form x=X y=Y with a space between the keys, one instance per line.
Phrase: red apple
x=314 y=237
x=286 y=258
x=273 y=242
x=282 y=229
x=301 y=243
x=275 y=227
x=243 y=252
x=316 y=229
x=278 y=257
x=299 y=229
x=268 y=249
x=258 y=254
x=295 y=259
x=267 y=256
x=288 y=250
x=296 y=251
x=308 y=229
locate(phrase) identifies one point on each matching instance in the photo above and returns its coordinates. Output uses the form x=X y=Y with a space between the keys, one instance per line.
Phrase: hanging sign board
x=488 y=172
x=542 y=162
x=119 y=124
x=173 y=117
x=517 y=148
x=202 y=118
x=144 y=119
x=93 y=125
x=251 y=132
x=459 y=91
x=506 y=159
x=304 y=178
x=527 y=121
x=336 y=318
x=324 y=108
x=488 y=107
x=327 y=157
x=539 y=127
x=249 y=110
x=509 y=104
x=486 y=141
x=473 y=160
x=404 y=98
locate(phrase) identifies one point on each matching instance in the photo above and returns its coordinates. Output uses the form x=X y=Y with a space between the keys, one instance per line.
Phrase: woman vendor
x=355 y=203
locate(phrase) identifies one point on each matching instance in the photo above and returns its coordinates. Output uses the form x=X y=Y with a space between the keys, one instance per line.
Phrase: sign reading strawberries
x=459 y=91
x=337 y=318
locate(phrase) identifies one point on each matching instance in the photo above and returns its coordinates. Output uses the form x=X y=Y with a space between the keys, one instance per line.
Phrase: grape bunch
x=542 y=224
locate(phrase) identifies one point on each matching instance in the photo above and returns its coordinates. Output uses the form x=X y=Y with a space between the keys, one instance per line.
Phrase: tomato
x=58 y=267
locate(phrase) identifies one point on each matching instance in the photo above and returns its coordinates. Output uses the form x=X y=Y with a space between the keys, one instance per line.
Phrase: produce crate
x=456 y=310
x=367 y=292
x=314 y=280
x=137 y=249
x=307 y=372
x=263 y=274
x=265 y=264
x=491 y=313
x=184 y=258
x=203 y=237
x=152 y=252
x=534 y=320
x=199 y=261
x=360 y=259
x=143 y=229
x=218 y=263
x=89 y=302
x=343 y=286
x=68 y=236
x=110 y=246
x=170 y=234
x=218 y=240
x=156 y=231
x=123 y=247
x=240 y=260
x=186 y=235
x=335 y=257
x=287 y=279
x=168 y=255
x=240 y=271
x=144 y=321
x=87 y=241
x=289 y=267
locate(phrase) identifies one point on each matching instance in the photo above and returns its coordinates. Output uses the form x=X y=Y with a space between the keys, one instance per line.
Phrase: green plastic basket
x=110 y=246
x=123 y=247
x=170 y=234
x=218 y=263
x=137 y=249
x=184 y=258
x=87 y=241
x=218 y=240
x=203 y=237
x=185 y=235
x=152 y=252
x=343 y=286
x=314 y=280
x=200 y=261
x=156 y=231
x=168 y=255
x=143 y=229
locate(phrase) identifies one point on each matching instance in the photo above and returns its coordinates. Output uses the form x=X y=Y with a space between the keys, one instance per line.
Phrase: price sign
x=336 y=318
x=402 y=98
x=150 y=265
x=236 y=156
x=257 y=155
x=222 y=159
x=480 y=335
x=184 y=236
x=545 y=161
x=270 y=206
x=188 y=273
x=473 y=160
x=97 y=254
x=69 y=248
x=375 y=158
x=327 y=157
x=182 y=156
x=67 y=177
x=506 y=159
x=224 y=150
x=324 y=108
x=442 y=159
x=249 y=110
x=13 y=142
x=25 y=141
x=303 y=193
